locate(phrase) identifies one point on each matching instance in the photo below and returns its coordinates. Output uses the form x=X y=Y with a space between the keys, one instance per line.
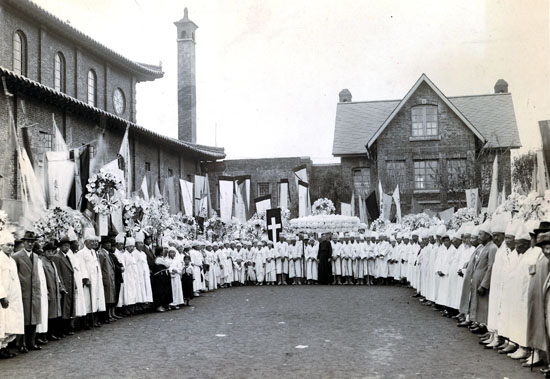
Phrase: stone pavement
x=276 y=332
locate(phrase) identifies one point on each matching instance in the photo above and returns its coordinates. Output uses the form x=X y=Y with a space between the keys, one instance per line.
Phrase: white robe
x=11 y=319
x=43 y=326
x=120 y=256
x=259 y=264
x=499 y=276
x=132 y=290
x=336 y=262
x=145 y=274
x=295 y=256
x=270 y=274
x=176 y=268
x=196 y=261
x=443 y=282
x=312 y=264
x=80 y=273
x=94 y=294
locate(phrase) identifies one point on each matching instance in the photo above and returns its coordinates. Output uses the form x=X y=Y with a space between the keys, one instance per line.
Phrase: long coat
x=54 y=288
x=108 y=275
x=11 y=318
x=66 y=274
x=27 y=267
x=467 y=284
x=481 y=277
x=537 y=306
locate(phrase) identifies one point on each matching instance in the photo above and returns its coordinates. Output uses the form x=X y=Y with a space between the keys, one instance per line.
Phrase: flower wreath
x=104 y=192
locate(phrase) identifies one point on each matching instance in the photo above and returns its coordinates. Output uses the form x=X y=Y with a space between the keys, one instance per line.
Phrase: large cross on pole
x=273 y=227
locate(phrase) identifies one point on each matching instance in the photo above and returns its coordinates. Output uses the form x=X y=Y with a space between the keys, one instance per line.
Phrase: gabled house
x=432 y=146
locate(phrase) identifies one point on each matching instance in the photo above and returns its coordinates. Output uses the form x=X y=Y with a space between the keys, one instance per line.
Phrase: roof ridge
x=367 y=101
x=481 y=95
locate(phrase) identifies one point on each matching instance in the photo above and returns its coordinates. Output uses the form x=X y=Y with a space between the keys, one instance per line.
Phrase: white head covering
x=522 y=232
x=89 y=235
x=6 y=237
x=485 y=227
x=441 y=230
x=499 y=223
x=512 y=228
x=130 y=241
x=72 y=235
x=140 y=237
x=119 y=238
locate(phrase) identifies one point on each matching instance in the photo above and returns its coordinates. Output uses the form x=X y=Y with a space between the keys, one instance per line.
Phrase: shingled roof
x=492 y=115
x=143 y=72
x=62 y=100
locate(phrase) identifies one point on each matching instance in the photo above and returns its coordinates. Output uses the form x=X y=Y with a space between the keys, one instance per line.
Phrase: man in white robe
x=11 y=303
x=196 y=262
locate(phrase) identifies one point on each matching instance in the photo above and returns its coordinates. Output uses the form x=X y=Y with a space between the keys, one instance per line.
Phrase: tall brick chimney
x=187 y=91
x=501 y=86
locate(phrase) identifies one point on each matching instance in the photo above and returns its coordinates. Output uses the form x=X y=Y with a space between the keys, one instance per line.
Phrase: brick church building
x=49 y=69
x=432 y=146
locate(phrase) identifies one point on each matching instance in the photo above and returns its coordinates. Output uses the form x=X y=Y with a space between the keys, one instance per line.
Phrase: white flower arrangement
x=419 y=220
x=156 y=218
x=325 y=223
x=323 y=206
x=132 y=213
x=461 y=216
x=533 y=207
x=54 y=223
x=3 y=219
x=104 y=192
x=181 y=225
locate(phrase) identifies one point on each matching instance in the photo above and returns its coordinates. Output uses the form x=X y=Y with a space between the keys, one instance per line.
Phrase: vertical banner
x=201 y=208
x=541 y=174
x=242 y=198
x=226 y=185
x=303 y=197
x=60 y=176
x=274 y=225
x=144 y=188
x=300 y=174
x=116 y=216
x=472 y=199
x=372 y=206
x=124 y=153
x=362 y=210
x=170 y=191
x=380 y=193
x=345 y=209
x=493 y=196
x=263 y=203
x=397 y=199
x=352 y=204
x=386 y=206
x=447 y=214
x=284 y=196
x=187 y=196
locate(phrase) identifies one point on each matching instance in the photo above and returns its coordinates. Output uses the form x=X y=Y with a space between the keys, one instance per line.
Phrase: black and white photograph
x=275 y=189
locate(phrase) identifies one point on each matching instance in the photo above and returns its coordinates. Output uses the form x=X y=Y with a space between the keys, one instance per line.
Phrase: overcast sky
x=269 y=72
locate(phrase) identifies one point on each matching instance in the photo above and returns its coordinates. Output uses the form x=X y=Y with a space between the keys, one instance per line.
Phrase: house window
x=170 y=172
x=19 y=53
x=396 y=174
x=426 y=175
x=147 y=166
x=92 y=151
x=59 y=73
x=263 y=189
x=424 y=120
x=456 y=173
x=92 y=88
x=361 y=181
x=46 y=141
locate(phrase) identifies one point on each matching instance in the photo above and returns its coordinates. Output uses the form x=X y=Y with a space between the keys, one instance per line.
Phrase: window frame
x=420 y=128
x=394 y=179
x=147 y=166
x=92 y=88
x=454 y=173
x=422 y=173
x=260 y=192
x=365 y=184
x=59 y=72
x=20 y=55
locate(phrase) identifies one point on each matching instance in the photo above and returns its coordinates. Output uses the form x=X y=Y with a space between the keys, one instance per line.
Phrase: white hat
x=512 y=228
x=485 y=227
x=120 y=238
x=6 y=237
x=72 y=235
x=89 y=235
x=467 y=229
x=499 y=223
x=140 y=237
x=130 y=241
x=441 y=229
x=522 y=232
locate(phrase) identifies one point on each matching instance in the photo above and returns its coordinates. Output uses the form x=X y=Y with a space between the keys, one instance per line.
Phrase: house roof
x=48 y=94
x=491 y=115
x=143 y=72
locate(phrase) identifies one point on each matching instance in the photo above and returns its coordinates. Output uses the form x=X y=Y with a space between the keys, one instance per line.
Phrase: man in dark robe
x=119 y=268
x=148 y=249
x=55 y=290
x=108 y=275
x=325 y=256
x=27 y=268
x=467 y=271
x=66 y=274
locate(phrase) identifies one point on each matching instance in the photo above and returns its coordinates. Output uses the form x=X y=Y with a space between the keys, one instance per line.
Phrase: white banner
x=303 y=197
x=264 y=204
x=283 y=195
x=242 y=198
x=227 y=188
x=386 y=206
x=362 y=209
x=301 y=175
x=397 y=199
x=124 y=152
x=187 y=196
x=201 y=205
x=145 y=189
x=352 y=204
x=60 y=176
x=493 y=195
x=472 y=198
x=116 y=216
x=345 y=209
x=171 y=194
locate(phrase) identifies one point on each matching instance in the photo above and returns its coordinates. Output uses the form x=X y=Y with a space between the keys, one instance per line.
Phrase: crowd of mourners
x=492 y=278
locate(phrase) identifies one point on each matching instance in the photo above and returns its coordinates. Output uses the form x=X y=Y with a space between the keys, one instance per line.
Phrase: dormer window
x=424 y=120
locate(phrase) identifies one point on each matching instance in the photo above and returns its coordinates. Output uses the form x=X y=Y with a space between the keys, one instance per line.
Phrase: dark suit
x=55 y=287
x=481 y=277
x=27 y=268
x=66 y=274
x=108 y=274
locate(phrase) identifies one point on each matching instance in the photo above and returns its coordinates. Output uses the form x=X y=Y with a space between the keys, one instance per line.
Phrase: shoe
x=494 y=344
x=480 y=330
x=463 y=324
x=35 y=347
x=512 y=347
x=521 y=353
x=486 y=335
x=5 y=354
x=545 y=370
x=40 y=341
x=538 y=363
x=23 y=350
x=53 y=338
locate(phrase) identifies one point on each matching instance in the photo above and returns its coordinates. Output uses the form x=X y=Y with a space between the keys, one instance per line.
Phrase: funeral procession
x=305 y=189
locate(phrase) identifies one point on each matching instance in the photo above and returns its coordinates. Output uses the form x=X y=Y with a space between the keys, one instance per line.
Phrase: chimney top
x=345 y=96
x=501 y=86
